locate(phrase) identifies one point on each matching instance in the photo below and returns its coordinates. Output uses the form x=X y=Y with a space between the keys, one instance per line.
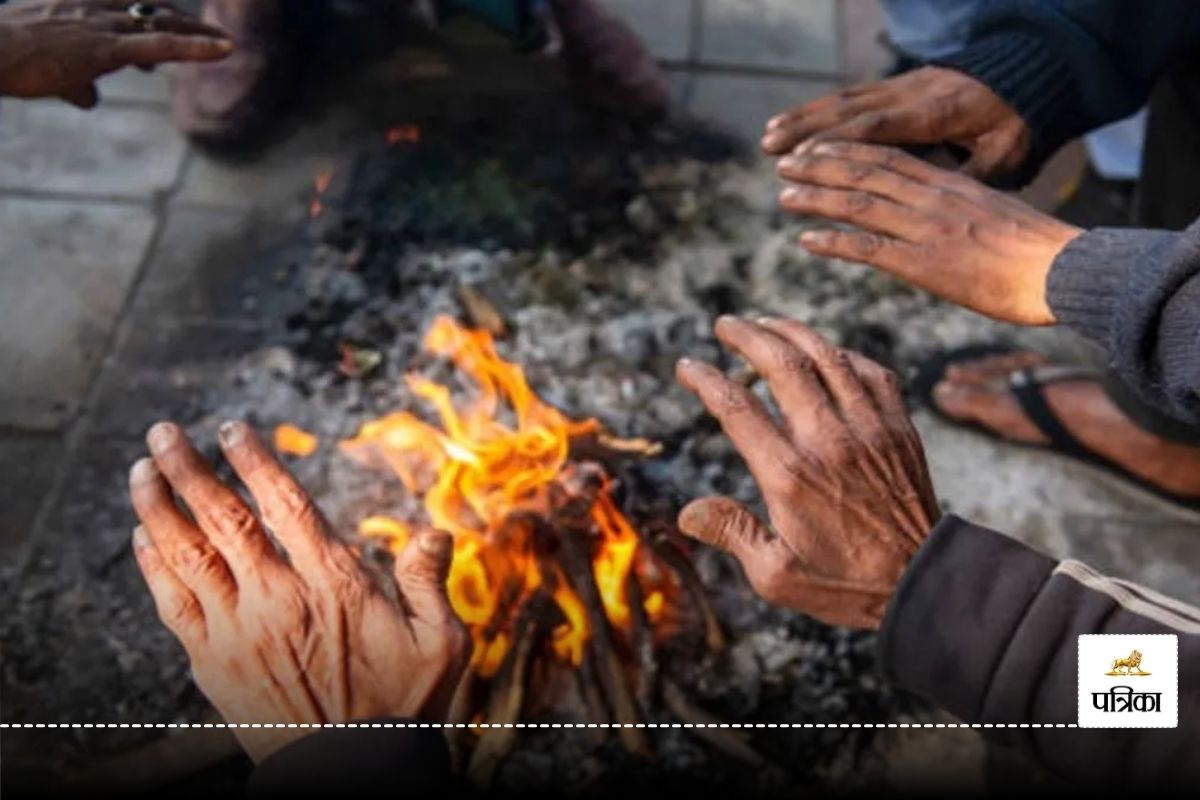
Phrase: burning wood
x=535 y=532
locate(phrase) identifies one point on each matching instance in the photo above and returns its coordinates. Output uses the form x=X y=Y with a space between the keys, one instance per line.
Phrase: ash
x=608 y=259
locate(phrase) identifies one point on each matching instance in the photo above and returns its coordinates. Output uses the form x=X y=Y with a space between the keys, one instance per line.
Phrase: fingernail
x=764 y=320
x=823 y=148
x=231 y=433
x=726 y=319
x=433 y=544
x=791 y=194
x=693 y=518
x=162 y=436
x=144 y=471
x=945 y=391
x=814 y=237
x=141 y=539
x=791 y=162
x=225 y=45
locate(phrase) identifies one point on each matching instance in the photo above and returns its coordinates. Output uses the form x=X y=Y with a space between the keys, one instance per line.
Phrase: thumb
x=85 y=96
x=988 y=157
x=726 y=525
x=421 y=571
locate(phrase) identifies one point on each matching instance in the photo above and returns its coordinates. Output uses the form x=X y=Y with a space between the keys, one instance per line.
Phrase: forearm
x=988 y=629
x=1137 y=294
x=1070 y=66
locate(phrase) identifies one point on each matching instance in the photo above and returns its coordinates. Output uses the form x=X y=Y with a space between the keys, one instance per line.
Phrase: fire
x=483 y=473
x=406 y=134
x=321 y=183
x=295 y=441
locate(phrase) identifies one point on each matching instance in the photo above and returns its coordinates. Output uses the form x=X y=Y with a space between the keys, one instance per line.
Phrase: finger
x=85 y=97
x=789 y=372
x=898 y=161
x=902 y=259
x=764 y=447
x=175 y=23
x=727 y=525
x=190 y=555
x=224 y=518
x=858 y=208
x=421 y=571
x=832 y=365
x=286 y=507
x=845 y=173
x=178 y=608
x=160 y=48
x=994 y=154
x=787 y=132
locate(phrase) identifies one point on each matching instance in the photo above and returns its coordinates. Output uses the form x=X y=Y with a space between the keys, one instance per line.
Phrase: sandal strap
x=1026 y=386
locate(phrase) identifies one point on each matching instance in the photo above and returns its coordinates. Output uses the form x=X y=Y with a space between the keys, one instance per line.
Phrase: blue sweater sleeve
x=1071 y=66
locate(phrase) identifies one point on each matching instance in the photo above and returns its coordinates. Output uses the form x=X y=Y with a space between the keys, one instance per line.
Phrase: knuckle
x=858 y=173
x=232 y=518
x=201 y=561
x=179 y=611
x=858 y=202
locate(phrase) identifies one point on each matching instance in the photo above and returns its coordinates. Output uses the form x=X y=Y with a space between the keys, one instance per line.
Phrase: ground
x=141 y=278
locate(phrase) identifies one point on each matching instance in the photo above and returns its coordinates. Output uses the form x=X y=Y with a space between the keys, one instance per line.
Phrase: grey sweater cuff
x=1091 y=275
x=955 y=611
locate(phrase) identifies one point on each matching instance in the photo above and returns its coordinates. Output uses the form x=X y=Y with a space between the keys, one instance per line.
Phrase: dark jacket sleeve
x=359 y=761
x=987 y=628
x=1137 y=294
x=1071 y=66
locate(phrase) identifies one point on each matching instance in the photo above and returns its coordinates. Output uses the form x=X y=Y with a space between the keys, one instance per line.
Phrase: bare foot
x=978 y=392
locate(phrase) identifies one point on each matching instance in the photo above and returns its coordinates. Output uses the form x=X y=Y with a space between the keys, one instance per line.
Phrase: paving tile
x=65 y=270
x=864 y=57
x=216 y=265
x=665 y=26
x=772 y=34
x=29 y=464
x=279 y=178
x=742 y=104
x=117 y=151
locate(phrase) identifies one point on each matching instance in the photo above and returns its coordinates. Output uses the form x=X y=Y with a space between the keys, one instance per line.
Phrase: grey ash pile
x=608 y=255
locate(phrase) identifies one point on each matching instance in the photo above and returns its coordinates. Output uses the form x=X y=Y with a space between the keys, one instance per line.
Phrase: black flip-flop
x=1026 y=386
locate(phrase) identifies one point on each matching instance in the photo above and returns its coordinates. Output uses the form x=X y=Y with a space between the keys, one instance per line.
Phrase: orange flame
x=321 y=183
x=478 y=471
x=408 y=134
x=295 y=441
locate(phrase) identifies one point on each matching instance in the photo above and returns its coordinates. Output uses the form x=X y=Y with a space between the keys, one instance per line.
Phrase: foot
x=607 y=61
x=977 y=392
x=228 y=104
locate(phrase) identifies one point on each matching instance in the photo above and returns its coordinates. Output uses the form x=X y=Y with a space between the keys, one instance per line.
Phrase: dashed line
x=484 y=725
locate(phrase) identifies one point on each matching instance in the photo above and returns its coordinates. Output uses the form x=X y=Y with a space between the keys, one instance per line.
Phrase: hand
x=843 y=474
x=937 y=230
x=306 y=636
x=930 y=105
x=59 y=48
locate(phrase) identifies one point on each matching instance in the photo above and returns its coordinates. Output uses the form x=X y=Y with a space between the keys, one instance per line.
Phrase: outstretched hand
x=930 y=105
x=306 y=635
x=938 y=230
x=59 y=48
x=842 y=472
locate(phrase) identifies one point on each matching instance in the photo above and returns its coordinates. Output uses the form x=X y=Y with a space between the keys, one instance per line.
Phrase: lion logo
x=1128 y=666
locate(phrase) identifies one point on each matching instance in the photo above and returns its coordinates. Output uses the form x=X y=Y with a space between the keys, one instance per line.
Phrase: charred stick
x=664 y=547
x=480 y=311
x=572 y=498
x=642 y=640
x=726 y=740
x=507 y=698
